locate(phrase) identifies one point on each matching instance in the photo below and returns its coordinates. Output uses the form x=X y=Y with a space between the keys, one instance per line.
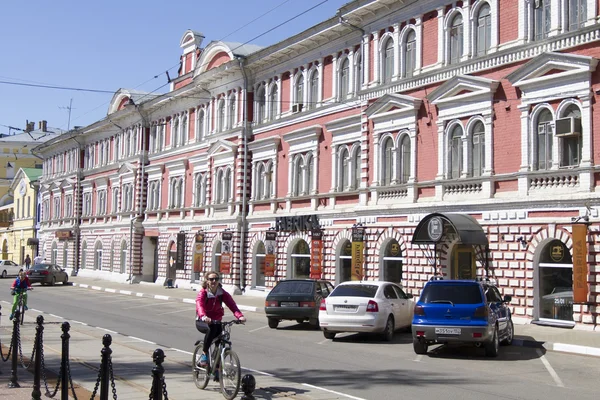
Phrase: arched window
x=387 y=62
x=259 y=264
x=455 y=152
x=344 y=168
x=153 y=139
x=309 y=185
x=299 y=90
x=410 y=54
x=273 y=102
x=345 y=262
x=356 y=162
x=98 y=256
x=484 y=30
x=269 y=180
x=344 y=78
x=200 y=124
x=260 y=105
x=54 y=253
x=175 y=132
x=392 y=262
x=232 y=112
x=124 y=256
x=544 y=140
x=227 y=186
x=300 y=260
x=404 y=161
x=358 y=72
x=541 y=18
x=478 y=149
x=184 y=134
x=260 y=186
x=221 y=116
x=217 y=256
x=387 y=162
x=456 y=39
x=298 y=176
x=218 y=187
x=570 y=143
x=576 y=14
x=83 y=254
x=200 y=190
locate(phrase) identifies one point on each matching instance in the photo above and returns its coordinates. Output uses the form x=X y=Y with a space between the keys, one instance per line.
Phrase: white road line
x=97 y=288
x=333 y=391
x=56 y=316
x=141 y=340
x=145 y=305
x=107 y=330
x=174 y=312
x=551 y=370
x=79 y=322
x=258 y=372
x=181 y=351
x=110 y=290
x=190 y=301
x=139 y=294
x=161 y=297
x=324 y=341
x=257 y=329
x=128 y=292
x=418 y=358
x=83 y=285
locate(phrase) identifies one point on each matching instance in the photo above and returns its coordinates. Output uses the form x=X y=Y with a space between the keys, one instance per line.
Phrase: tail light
x=271 y=304
x=419 y=310
x=481 y=312
x=323 y=306
x=420 y=333
x=477 y=335
x=44 y=272
x=307 y=304
x=28 y=272
x=372 y=306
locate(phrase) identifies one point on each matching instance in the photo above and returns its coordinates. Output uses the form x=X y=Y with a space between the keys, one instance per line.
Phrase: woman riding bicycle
x=209 y=308
x=20 y=285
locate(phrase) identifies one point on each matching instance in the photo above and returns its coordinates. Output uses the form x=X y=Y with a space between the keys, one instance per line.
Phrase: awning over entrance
x=33 y=241
x=434 y=226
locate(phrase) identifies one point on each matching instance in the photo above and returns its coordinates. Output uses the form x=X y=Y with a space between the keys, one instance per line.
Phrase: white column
x=290 y=174
x=335 y=77
x=464 y=156
x=279 y=90
x=376 y=159
x=315 y=161
x=211 y=111
x=441 y=150
x=305 y=88
x=525 y=149
x=523 y=22
x=351 y=59
x=441 y=42
x=488 y=167
x=238 y=98
x=555 y=26
x=419 y=39
x=413 y=154
x=396 y=36
x=226 y=118
x=586 y=132
x=376 y=60
x=365 y=61
x=321 y=80
x=292 y=90
x=334 y=163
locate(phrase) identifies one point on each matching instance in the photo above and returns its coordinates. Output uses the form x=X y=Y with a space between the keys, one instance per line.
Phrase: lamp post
x=132 y=221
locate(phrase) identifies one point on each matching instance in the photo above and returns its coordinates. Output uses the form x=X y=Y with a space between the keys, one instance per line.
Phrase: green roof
x=33 y=173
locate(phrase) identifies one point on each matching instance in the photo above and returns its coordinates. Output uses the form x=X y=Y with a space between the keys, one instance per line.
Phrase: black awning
x=465 y=226
x=33 y=242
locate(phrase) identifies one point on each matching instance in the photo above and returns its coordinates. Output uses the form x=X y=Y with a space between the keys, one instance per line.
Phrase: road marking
x=191 y=301
x=128 y=292
x=110 y=290
x=333 y=391
x=79 y=322
x=324 y=341
x=139 y=294
x=141 y=340
x=181 y=351
x=174 y=312
x=96 y=288
x=418 y=358
x=551 y=370
x=145 y=305
x=161 y=297
x=258 y=372
x=107 y=330
x=56 y=316
x=257 y=329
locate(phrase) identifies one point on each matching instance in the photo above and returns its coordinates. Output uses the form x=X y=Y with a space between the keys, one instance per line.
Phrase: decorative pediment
x=126 y=168
x=101 y=183
x=303 y=139
x=393 y=105
x=191 y=40
x=177 y=167
x=264 y=149
x=66 y=183
x=462 y=89
x=221 y=147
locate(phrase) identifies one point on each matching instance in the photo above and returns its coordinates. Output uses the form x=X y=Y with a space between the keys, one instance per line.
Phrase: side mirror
x=507 y=298
x=409 y=296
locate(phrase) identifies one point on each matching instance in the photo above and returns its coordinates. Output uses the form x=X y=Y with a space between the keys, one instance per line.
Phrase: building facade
x=394 y=141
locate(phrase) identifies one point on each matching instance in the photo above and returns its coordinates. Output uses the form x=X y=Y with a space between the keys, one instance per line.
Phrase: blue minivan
x=464 y=312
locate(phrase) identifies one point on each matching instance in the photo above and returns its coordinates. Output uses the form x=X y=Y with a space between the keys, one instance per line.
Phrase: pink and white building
x=422 y=122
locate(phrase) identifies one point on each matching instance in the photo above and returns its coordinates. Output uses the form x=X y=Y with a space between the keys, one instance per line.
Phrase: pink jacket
x=208 y=304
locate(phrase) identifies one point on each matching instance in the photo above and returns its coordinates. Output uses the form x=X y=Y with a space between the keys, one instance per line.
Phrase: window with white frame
x=264 y=180
x=45 y=210
x=260 y=104
x=200 y=190
x=68 y=212
x=231 y=111
x=153 y=139
x=358 y=71
x=175 y=132
x=200 y=124
x=404 y=159
x=541 y=18
x=387 y=161
x=127 y=144
x=576 y=14
x=101 y=206
x=183 y=135
x=223 y=187
x=483 y=30
x=176 y=189
x=570 y=141
x=153 y=195
x=116 y=197
x=134 y=140
x=221 y=116
x=303 y=180
x=162 y=127
x=344 y=78
x=410 y=54
x=90 y=156
x=455 y=152
x=87 y=204
x=313 y=89
x=127 y=200
x=455 y=39
x=477 y=144
x=543 y=140
x=273 y=101
x=299 y=90
x=98 y=256
x=348 y=167
x=387 y=60
x=117 y=147
x=56 y=208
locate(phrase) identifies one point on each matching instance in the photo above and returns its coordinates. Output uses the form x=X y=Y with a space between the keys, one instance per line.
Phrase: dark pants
x=214 y=332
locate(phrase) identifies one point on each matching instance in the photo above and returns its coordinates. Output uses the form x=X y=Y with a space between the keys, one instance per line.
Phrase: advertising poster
x=580 y=267
x=198 y=252
x=270 y=256
x=226 y=253
x=358 y=246
x=180 y=256
x=316 y=254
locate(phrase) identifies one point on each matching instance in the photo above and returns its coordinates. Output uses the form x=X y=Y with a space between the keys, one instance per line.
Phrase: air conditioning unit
x=297 y=107
x=570 y=126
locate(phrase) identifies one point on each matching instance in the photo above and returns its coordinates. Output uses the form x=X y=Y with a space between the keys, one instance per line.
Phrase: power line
x=76 y=89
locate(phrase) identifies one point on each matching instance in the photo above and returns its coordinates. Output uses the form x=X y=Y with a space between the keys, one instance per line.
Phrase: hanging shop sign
x=435 y=229
x=63 y=234
x=226 y=253
x=580 y=267
x=301 y=223
x=270 y=246
x=358 y=246
x=198 y=251
x=316 y=254
x=180 y=256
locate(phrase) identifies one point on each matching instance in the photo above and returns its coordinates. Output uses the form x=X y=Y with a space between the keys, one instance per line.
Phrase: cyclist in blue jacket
x=21 y=284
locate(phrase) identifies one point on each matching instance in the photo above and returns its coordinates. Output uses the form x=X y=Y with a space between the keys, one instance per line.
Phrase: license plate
x=289 y=304
x=447 y=331
x=345 y=307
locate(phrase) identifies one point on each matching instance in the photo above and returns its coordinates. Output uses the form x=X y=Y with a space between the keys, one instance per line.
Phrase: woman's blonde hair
x=206 y=275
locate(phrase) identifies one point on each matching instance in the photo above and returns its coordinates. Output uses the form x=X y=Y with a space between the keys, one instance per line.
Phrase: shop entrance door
x=463 y=262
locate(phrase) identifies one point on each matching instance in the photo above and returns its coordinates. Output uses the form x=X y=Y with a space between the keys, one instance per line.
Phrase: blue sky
x=110 y=44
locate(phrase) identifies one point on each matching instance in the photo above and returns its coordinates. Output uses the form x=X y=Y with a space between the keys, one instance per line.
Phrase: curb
x=548 y=346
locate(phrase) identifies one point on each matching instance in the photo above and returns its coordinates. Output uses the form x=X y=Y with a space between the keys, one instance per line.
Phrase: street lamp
x=132 y=221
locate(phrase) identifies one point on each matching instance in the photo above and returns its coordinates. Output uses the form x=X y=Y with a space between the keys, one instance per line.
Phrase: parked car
x=374 y=307
x=9 y=268
x=462 y=311
x=296 y=299
x=47 y=274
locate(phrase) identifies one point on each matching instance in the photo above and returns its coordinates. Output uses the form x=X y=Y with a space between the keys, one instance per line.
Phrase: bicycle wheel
x=201 y=375
x=22 y=308
x=231 y=372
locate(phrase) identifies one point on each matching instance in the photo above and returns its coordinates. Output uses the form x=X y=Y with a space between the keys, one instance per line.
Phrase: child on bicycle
x=209 y=308
x=21 y=284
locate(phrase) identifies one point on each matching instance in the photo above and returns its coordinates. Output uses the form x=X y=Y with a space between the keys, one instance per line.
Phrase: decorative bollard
x=64 y=362
x=15 y=351
x=248 y=387
x=104 y=367
x=36 y=393
x=157 y=375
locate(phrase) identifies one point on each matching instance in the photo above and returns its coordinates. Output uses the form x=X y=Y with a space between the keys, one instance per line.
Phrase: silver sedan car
x=9 y=268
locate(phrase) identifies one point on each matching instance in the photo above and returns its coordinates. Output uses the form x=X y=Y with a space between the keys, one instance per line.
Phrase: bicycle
x=21 y=303
x=223 y=363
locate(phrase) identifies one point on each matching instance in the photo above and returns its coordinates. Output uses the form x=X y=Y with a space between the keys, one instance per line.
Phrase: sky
x=111 y=44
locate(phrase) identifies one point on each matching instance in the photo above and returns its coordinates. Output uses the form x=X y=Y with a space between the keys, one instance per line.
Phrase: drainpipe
x=139 y=216
x=242 y=60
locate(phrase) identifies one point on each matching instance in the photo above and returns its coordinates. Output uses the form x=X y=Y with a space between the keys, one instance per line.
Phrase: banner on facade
x=358 y=245
x=226 y=253
x=198 y=251
x=580 y=267
x=180 y=257
x=316 y=254
x=270 y=256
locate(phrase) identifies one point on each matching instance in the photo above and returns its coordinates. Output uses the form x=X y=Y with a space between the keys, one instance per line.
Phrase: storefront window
x=555 y=274
x=392 y=262
x=301 y=260
x=217 y=257
x=345 y=260
x=259 y=264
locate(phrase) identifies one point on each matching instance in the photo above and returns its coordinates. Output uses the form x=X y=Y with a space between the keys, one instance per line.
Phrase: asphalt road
x=356 y=365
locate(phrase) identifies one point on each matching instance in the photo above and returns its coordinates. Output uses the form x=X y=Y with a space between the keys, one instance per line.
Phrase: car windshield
x=454 y=294
x=293 y=287
x=355 y=290
x=41 y=267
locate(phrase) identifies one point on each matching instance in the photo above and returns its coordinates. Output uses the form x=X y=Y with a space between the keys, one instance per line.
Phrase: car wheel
x=329 y=335
x=419 y=346
x=388 y=332
x=314 y=322
x=492 y=347
x=4 y=274
x=66 y=280
x=273 y=323
x=510 y=333
x=53 y=281
x=300 y=321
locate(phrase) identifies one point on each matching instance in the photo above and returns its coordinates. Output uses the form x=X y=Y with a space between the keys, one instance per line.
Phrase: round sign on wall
x=435 y=228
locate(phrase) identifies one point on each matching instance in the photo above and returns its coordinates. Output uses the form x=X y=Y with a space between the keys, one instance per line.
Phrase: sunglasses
x=213 y=279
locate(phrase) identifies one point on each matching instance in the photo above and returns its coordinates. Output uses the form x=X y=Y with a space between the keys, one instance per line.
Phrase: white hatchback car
x=9 y=268
x=366 y=306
